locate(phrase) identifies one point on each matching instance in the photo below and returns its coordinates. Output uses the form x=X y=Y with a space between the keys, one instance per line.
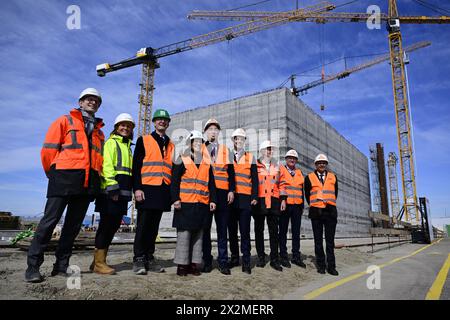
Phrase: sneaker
x=285 y=262
x=152 y=266
x=246 y=268
x=298 y=262
x=332 y=271
x=139 y=267
x=33 y=275
x=275 y=264
x=224 y=270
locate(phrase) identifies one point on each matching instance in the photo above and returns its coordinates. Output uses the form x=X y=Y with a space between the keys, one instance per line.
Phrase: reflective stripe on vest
x=293 y=185
x=194 y=182
x=119 y=166
x=268 y=183
x=321 y=195
x=156 y=169
x=220 y=167
x=242 y=170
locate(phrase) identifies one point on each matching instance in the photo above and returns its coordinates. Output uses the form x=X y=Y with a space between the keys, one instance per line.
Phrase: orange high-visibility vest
x=268 y=183
x=220 y=166
x=291 y=186
x=243 y=174
x=67 y=147
x=321 y=195
x=156 y=169
x=194 y=181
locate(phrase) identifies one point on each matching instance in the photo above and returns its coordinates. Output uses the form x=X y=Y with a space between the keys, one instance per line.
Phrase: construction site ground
x=263 y=283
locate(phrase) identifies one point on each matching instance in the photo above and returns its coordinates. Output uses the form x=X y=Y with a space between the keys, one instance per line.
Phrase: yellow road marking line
x=314 y=294
x=436 y=289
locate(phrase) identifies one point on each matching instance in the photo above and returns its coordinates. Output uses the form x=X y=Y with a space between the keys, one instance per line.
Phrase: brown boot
x=100 y=265
x=91 y=267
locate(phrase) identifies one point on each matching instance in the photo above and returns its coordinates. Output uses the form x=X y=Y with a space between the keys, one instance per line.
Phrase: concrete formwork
x=287 y=121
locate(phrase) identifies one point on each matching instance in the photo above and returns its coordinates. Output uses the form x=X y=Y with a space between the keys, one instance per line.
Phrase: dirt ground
x=263 y=283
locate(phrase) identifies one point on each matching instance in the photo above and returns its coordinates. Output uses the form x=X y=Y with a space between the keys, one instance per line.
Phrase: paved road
x=407 y=272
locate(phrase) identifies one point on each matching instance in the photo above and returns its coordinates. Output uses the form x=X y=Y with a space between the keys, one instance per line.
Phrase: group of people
x=206 y=180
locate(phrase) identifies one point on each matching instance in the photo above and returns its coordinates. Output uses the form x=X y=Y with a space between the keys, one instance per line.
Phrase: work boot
x=100 y=265
x=332 y=271
x=139 y=266
x=275 y=264
x=285 y=262
x=298 y=262
x=183 y=270
x=223 y=268
x=152 y=266
x=207 y=267
x=261 y=262
x=246 y=268
x=33 y=275
x=194 y=269
x=234 y=262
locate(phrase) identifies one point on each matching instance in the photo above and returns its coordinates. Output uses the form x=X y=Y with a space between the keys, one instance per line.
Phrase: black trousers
x=76 y=211
x=242 y=218
x=221 y=216
x=107 y=228
x=146 y=232
x=328 y=223
x=294 y=213
x=272 y=223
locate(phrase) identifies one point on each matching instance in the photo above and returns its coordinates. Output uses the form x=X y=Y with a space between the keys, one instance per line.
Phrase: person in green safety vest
x=116 y=185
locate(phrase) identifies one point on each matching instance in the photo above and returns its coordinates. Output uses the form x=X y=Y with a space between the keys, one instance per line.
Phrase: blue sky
x=45 y=66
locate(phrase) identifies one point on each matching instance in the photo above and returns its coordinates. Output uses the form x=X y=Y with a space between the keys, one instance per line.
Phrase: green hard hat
x=161 y=113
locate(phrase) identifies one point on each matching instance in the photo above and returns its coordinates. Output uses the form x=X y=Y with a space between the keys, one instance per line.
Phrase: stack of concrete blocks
x=280 y=116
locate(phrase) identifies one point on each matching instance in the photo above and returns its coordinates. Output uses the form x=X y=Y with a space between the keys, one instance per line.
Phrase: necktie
x=321 y=178
x=213 y=152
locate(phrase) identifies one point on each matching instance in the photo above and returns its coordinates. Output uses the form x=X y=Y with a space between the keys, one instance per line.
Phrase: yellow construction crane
x=410 y=207
x=301 y=90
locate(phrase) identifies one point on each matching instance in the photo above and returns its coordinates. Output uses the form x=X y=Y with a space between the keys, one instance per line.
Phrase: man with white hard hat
x=72 y=160
x=291 y=191
x=222 y=166
x=246 y=197
x=268 y=205
x=321 y=190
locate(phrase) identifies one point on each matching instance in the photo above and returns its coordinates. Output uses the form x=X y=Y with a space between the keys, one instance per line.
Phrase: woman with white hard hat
x=193 y=194
x=116 y=187
x=321 y=190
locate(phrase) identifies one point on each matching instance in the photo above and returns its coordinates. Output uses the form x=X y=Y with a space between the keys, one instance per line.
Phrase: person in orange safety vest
x=72 y=160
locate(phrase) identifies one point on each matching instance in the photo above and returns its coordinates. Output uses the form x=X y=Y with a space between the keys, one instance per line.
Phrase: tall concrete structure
x=283 y=118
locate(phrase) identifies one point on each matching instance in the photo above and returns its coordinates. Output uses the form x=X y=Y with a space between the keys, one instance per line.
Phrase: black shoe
x=152 y=266
x=33 y=275
x=246 y=268
x=139 y=267
x=332 y=271
x=58 y=271
x=298 y=262
x=207 y=268
x=321 y=270
x=234 y=262
x=285 y=262
x=261 y=262
x=224 y=270
x=275 y=264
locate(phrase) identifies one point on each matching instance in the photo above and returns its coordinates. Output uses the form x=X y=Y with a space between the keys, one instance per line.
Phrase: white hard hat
x=195 y=134
x=321 y=157
x=266 y=144
x=90 y=92
x=291 y=153
x=211 y=122
x=124 y=117
x=238 y=133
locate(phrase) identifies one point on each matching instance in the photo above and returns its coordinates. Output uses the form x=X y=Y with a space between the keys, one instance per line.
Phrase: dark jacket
x=315 y=213
x=65 y=182
x=191 y=216
x=156 y=197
